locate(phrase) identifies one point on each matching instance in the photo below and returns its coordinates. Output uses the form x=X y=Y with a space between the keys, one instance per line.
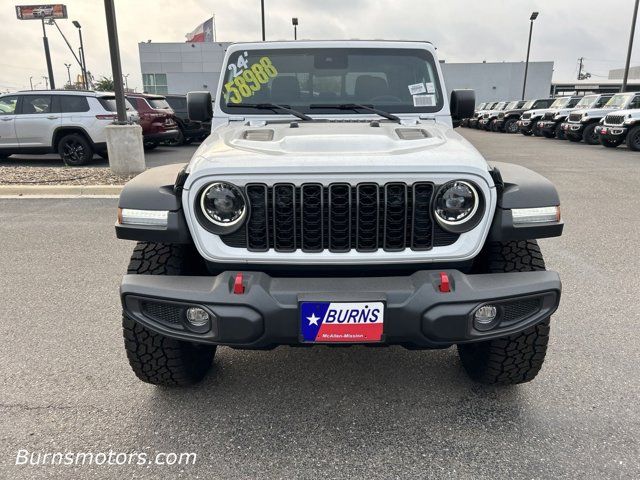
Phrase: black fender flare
x=158 y=188
x=519 y=187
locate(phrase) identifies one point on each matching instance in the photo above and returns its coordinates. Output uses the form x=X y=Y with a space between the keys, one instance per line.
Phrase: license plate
x=342 y=322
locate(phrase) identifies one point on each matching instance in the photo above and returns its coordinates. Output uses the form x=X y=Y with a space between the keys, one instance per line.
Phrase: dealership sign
x=38 y=12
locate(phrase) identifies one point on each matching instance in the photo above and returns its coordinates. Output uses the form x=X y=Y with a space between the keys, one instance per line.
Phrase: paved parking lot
x=329 y=413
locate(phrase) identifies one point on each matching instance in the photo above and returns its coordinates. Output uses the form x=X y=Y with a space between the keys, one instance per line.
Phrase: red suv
x=156 y=119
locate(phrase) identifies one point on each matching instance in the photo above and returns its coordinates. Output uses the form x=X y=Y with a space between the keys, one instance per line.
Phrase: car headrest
x=368 y=86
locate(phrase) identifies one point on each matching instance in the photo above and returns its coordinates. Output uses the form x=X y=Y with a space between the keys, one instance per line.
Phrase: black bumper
x=417 y=313
x=547 y=126
x=526 y=125
x=172 y=134
x=612 y=133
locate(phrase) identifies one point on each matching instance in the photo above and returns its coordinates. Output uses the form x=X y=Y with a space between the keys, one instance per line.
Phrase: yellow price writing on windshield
x=250 y=80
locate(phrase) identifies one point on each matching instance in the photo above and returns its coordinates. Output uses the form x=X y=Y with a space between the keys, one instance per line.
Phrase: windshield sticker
x=424 y=100
x=417 y=88
x=431 y=88
x=248 y=79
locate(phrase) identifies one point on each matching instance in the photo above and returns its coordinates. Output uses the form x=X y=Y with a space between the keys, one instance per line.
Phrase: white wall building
x=185 y=67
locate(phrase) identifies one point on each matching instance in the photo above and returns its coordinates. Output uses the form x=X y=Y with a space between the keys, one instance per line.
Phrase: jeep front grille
x=501 y=115
x=526 y=116
x=339 y=217
x=575 y=117
x=549 y=115
x=614 y=119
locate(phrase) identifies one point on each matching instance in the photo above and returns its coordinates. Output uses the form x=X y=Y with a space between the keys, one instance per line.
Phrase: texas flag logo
x=342 y=322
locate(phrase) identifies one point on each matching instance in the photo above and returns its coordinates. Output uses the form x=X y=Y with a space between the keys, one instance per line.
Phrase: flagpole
x=215 y=35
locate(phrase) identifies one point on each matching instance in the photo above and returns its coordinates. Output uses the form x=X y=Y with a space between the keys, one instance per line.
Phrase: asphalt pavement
x=328 y=413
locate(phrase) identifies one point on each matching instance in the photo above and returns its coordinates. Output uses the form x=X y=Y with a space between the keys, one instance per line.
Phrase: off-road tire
x=519 y=357
x=560 y=134
x=510 y=126
x=526 y=133
x=633 y=139
x=589 y=134
x=549 y=134
x=154 y=358
x=4 y=156
x=179 y=140
x=574 y=138
x=536 y=131
x=75 y=150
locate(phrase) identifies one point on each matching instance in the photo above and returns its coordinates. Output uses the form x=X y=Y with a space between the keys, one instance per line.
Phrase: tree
x=104 y=85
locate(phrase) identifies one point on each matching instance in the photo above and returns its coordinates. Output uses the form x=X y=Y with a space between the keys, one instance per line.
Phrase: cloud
x=462 y=30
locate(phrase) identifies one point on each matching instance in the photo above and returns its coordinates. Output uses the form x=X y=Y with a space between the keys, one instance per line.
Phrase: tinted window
x=8 y=105
x=109 y=104
x=158 y=103
x=177 y=103
x=36 y=104
x=73 y=103
x=602 y=101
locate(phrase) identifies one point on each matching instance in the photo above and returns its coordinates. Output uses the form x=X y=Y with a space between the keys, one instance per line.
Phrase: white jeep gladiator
x=334 y=204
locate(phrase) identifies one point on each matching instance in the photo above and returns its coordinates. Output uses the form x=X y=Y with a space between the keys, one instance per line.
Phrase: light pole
x=534 y=15
x=84 y=63
x=628 y=64
x=294 y=22
x=262 y=13
x=126 y=82
x=68 y=65
x=47 y=54
x=46 y=83
x=31 y=82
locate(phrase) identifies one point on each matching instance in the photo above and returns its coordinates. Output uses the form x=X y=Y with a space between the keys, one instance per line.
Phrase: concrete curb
x=60 y=190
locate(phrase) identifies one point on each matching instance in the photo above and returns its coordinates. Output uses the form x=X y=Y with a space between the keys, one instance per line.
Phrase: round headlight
x=456 y=203
x=223 y=205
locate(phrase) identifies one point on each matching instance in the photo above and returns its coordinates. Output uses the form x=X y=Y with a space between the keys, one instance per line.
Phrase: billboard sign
x=38 y=12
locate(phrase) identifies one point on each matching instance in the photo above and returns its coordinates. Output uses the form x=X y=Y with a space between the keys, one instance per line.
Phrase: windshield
x=560 y=102
x=512 y=105
x=481 y=106
x=393 y=80
x=528 y=105
x=619 y=100
x=587 y=102
x=499 y=106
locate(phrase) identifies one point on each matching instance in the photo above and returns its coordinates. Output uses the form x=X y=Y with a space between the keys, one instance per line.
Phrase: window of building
x=155 y=83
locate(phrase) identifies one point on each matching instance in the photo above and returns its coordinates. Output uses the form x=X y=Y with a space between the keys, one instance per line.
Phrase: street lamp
x=534 y=15
x=294 y=22
x=85 y=80
x=126 y=82
x=628 y=64
x=31 y=82
x=68 y=65
x=262 y=13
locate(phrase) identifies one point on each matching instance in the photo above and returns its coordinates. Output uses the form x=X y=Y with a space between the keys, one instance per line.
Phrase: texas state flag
x=202 y=33
x=342 y=322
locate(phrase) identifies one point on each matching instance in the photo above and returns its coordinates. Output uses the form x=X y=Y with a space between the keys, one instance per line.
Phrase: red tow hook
x=238 y=286
x=445 y=284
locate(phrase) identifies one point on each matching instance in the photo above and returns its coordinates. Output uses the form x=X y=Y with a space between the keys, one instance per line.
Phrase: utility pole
x=294 y=22
x=68 y=65
x=262 y=11
x=116 y=67
x=31 y=82
x=47 y=54
x=633 y=32
x=581 y=75
x=534 y=15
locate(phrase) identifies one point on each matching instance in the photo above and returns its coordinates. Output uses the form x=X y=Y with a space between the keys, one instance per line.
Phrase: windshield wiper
x=355 y=107
x=274 y=107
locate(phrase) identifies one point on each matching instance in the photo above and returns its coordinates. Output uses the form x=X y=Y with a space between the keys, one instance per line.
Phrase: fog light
x=197 y=317
x=485 y=317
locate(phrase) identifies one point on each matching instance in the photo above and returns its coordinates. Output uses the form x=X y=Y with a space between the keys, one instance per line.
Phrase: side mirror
x=199 y=106
x=463 y=104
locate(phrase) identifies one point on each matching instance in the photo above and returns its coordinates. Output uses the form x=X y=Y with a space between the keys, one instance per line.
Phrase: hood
x=633 y=113
x=537 y=112
x=335 y=147
x=595 y=112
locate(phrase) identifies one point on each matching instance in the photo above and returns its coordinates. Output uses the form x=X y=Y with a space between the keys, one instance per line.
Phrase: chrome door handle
x=52 y=117
x=5 y=119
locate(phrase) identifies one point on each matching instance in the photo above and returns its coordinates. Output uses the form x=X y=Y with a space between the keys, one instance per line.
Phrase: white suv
x=67 y=122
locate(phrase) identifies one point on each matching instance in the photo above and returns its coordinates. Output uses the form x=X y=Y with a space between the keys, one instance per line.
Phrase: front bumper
x=525 y=125
x=574 y=128
x=548 y=126
x=612 y=133
x=266 y=314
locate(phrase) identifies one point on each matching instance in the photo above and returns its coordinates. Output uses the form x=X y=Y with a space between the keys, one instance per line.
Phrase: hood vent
x=265 y=135
x=412 y=133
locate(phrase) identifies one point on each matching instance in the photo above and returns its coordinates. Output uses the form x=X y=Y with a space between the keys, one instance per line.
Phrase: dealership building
x=185 y=67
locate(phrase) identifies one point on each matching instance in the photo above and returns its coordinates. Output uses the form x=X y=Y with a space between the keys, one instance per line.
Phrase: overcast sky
x=462 y=30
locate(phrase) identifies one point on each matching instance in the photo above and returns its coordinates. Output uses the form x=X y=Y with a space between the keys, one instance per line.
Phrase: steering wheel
x=385 y=98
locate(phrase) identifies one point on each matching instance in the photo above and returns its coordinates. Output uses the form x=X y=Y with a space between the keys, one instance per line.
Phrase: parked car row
x=601 y=119
x=72 y=123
